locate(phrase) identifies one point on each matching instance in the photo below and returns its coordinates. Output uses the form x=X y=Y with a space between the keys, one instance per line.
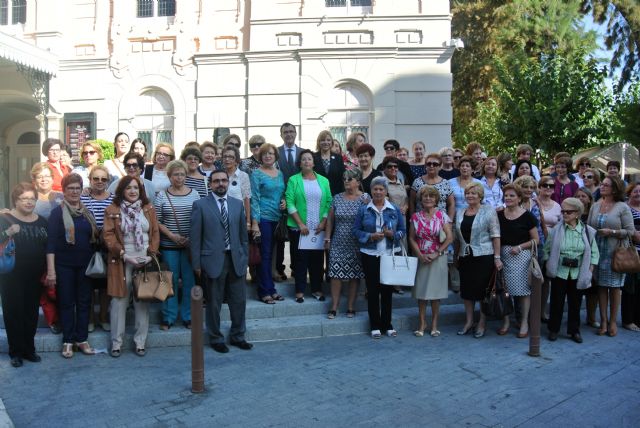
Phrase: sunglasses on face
x=588 y=177
x=390 y=166
x=100 y=179
x=457 y=157
x=547 y=186
x=587 y=164
x=432 y=164
x=563 y=212
x=255 y=145
x=347 y=179
x=89 y=153
x=389 y=148
x=164 y=155
x=131 y=165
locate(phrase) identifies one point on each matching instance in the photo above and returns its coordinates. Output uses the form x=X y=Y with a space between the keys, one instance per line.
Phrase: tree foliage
x=622 y=18
x=628 y=113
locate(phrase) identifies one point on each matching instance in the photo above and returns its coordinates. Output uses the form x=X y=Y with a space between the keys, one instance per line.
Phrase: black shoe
x=16 y=362
x=576 y=337
x=187 y=324
x=243 y=344
x=544 y=320
x=553 y=336
x=220 y=347
x=55 y=328
x=34 y=358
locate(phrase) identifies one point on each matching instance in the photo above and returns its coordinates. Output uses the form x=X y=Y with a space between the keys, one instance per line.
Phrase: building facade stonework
x=178 y=70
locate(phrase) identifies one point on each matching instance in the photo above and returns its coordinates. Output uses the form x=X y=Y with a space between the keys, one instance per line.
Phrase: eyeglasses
x=220 y=180
x=27 y=199
x=548 y=185
x=54 y=150
x=605 y=185
x=132 y=165
x=587 y=164
x=432 y=164
x=192 y=159
x=589 y=177
x=447 y=155
x=390 y=166
x=43 y=177
x=229 y=157
x=563 y=212
x=89 y=153
x=559 y=165
x=164 y=155
x=457 y=157
x=74 y=189
x=389 y=148
x=347 y=179
x=255 y=145
x=100 y=179
x=178 y=174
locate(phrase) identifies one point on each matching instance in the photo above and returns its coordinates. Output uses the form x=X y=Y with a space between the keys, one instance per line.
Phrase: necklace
x=513 y=213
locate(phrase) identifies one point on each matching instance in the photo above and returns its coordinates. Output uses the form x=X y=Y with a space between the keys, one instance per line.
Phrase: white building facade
x=177 y=70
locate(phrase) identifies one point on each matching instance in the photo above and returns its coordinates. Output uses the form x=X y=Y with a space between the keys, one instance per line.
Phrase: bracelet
x=496 y=257
x=327 y=240
x=520 y=248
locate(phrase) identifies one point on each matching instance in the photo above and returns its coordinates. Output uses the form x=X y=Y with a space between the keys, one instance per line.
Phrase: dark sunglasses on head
x=100 y=179
x=89 y=152
x=548 y=185
x=568 y=211
x=432 y=164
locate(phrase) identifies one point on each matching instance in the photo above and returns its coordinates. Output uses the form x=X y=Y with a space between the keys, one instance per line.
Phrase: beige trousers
x=119 y=307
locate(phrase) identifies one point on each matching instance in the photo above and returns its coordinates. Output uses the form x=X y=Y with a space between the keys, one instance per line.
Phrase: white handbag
x=97 y=267
x=398 y=269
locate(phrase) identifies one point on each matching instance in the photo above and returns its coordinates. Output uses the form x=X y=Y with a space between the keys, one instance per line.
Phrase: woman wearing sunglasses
x=431 y=178
x=91 y=155
x=591 y=179
x=571 y=253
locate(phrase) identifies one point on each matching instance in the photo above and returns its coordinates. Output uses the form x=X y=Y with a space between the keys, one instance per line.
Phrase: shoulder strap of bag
x=175 y=217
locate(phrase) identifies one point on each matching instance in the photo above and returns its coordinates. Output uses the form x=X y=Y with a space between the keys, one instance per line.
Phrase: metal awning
x=27 y=55
x=622 y=152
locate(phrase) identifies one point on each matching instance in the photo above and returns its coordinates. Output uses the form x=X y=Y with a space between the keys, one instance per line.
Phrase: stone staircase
x=286 y=320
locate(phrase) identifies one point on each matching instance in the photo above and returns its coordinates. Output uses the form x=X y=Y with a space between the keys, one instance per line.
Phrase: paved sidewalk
x=341 y=381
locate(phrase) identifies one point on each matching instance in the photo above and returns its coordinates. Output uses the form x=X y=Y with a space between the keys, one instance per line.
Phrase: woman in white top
x=157 y=172
x=122 y=145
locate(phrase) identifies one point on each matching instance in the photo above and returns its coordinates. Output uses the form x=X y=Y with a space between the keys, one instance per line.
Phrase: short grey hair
x=575 y=204
x=380 y=181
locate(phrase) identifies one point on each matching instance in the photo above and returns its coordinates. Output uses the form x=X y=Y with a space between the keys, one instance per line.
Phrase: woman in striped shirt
x=194 y=180
x=173 y=208
x=97 y=200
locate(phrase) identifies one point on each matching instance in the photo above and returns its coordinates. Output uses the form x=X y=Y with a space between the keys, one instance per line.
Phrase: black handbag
x=497 y=302
x=282 y=233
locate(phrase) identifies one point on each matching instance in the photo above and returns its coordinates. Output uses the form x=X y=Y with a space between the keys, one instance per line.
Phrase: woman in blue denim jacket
x=378 y=225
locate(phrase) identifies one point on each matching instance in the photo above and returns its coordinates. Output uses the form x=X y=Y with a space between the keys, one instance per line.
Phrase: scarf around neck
x=68 y=213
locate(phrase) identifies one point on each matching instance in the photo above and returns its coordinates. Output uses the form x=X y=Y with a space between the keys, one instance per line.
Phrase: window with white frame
x=152 y=8
x=349 y=111
x=154 y=119
x=13 y=12
x=343 y=3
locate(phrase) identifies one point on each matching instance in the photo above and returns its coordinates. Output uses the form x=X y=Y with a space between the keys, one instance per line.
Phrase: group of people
x=463 y=214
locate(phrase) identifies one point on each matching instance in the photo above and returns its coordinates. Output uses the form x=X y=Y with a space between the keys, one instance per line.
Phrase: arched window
x=29 y=138
x=349 y=111
x=154 y=117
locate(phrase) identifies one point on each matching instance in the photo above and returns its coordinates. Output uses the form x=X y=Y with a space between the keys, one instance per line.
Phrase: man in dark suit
x=219 y=249
x=288 y=158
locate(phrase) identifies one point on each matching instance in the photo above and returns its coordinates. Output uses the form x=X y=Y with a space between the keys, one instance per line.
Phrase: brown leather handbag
x=625 y=257
x=153 y=283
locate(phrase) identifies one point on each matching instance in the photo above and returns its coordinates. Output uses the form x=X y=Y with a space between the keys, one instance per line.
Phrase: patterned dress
x=431 y=279
x=344 y=259
x=444 y=188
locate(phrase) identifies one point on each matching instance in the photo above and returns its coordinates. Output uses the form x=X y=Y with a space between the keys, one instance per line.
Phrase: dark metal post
x=197 y=347
x=534 y=321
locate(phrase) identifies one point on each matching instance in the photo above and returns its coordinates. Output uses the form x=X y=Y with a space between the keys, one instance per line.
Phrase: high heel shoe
x=85 y=348
x=67 y=350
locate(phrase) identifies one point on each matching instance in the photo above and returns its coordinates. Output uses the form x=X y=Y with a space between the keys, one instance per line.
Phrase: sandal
x=85 y=348
x=268 y=300
x=277 y=297
x=67 y=350
x=436 y=333
x=392 y=333
x=165 y=326
x=331 y=314
x=141 y=352
x=115 y=353
x=632 y=327
x=318 y=296
x=351 y=313
x=375 y=334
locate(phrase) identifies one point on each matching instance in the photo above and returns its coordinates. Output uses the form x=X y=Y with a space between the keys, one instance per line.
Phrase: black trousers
x=306 y=261
x=561 y=289
x=630 y=306
x=20 y=293
x=378 y=296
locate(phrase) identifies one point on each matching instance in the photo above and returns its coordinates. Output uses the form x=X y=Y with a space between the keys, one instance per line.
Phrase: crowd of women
x=463 y=214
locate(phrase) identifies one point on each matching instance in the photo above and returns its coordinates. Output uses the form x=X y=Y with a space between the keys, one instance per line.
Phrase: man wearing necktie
x=289 y=154
x=219 y=250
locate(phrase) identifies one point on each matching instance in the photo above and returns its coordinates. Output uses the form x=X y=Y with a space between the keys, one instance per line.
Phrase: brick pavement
x=341 y=381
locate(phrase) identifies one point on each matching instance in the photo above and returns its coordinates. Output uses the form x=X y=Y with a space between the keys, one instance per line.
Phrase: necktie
x=225 y=223
x=290 y=157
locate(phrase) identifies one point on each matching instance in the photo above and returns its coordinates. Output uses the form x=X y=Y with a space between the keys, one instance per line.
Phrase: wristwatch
x=441 y=253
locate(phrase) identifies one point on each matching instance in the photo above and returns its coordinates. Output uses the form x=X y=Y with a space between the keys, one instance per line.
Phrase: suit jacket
x=336 y=169
x=287 y=171
x=207 y=236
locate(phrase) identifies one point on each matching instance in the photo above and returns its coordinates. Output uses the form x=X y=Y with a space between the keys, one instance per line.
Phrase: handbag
x=282 y=233
x=153 y=283
x=625 y=257
x=536 y=278
x=398 y=269
x=255 y=257
x=186 y=247
x=497 y=302
x=97 y=267
x=7 y=256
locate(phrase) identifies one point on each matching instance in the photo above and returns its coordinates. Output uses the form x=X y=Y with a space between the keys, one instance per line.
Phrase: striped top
x=97 y=207
x=183 y=204
x=198 y=184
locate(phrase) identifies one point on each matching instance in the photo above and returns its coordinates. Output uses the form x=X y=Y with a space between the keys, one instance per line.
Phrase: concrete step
x=259 y=330
x=258 y=310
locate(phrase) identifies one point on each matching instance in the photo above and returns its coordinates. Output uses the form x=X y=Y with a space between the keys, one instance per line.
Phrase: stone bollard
x=197 y=347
